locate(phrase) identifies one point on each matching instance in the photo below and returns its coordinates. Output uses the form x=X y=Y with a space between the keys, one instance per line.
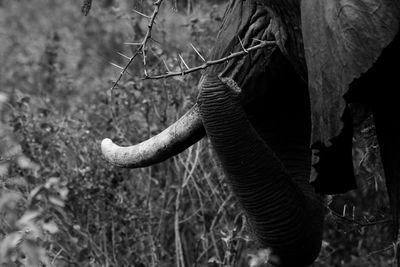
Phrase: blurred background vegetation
x=61 y=204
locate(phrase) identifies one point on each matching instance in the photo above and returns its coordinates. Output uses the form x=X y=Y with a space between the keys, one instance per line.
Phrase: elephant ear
x=342 y=39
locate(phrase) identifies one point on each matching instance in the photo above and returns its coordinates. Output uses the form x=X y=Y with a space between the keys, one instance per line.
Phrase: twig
x=56 y=256
x=214 y=222
x=359 y=223
x=178 y=244
x=211 y=62
x=381 y=250
x=143 y=43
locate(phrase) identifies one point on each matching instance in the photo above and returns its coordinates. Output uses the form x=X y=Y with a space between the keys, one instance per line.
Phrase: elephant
x=281 y=118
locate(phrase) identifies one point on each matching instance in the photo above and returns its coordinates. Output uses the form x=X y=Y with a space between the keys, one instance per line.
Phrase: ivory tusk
x=177 y=137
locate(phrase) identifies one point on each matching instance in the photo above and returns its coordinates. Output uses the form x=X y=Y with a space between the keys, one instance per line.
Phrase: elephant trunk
x=173 y=140
x=282 y=216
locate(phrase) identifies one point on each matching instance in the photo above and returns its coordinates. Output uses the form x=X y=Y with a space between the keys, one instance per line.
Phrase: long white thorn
x=197 y=52
x=141 y=14
x=125 y=56
x=183 y=61
x=115 y=65
x=166 y=66
x=241 y=43
x=133 y=44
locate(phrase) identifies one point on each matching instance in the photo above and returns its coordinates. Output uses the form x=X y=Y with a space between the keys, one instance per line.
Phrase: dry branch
x=143 y=43
x=211 y=62
x=142 y=50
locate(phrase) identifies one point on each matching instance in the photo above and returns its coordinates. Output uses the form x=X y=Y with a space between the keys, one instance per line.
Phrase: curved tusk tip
x=106 y=146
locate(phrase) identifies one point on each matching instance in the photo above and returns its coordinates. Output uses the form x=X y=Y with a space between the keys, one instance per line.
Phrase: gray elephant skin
x=265 y=117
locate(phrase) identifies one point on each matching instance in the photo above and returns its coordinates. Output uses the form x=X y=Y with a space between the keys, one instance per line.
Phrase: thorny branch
x=212 y=62
x=142 y=45
x=142 y=50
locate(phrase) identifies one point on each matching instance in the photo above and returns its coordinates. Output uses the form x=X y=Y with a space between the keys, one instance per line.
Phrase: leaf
x=9 y=199
x=3 y=170
x=214 y=259
x=36 y=191
x=50 y=227
x=342 y=39
x=260 y=259
x=26 y=163
x=63 y=193
x=10 y=242
x=3 y=98
x=31 y=254
x=56 y=201
x=51 y=182
x=44 y=259
x=28 y=217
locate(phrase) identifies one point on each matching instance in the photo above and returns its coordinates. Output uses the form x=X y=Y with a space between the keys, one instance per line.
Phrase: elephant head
x=257 y=112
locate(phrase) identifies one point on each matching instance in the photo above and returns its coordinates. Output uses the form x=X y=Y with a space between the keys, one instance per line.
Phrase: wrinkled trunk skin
x=262 y=137
x=264 y=150
x=285 y=214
